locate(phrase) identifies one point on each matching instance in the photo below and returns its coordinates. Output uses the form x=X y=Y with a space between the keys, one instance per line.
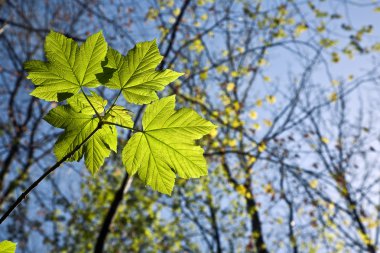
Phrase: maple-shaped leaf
x=166 y=146
x=79 y=124
x=69 y=66
x=135 y=74
x=7 y=247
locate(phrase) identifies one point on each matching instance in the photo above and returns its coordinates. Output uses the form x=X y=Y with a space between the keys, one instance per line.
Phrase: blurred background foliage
x=293 y=86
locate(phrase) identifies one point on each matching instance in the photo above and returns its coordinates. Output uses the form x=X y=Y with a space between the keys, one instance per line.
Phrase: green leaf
x=66 y=117
x=135 y=74
x=121 y=116
x=69 y=67
x=167 y=146
x=7 y=247
x=81 y=103
x=78 y=126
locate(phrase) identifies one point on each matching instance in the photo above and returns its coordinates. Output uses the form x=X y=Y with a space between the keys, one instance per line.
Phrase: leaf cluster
x=166 y=144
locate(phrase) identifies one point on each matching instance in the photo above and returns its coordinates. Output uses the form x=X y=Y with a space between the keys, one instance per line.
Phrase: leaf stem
x=88 y=100
x=43 y=176
x=119 y=125
x=114 y=102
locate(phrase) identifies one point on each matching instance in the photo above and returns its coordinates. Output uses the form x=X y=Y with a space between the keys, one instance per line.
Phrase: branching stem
x=43 y=176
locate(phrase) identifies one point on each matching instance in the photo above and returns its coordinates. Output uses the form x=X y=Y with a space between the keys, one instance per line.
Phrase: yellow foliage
x=313 y=248
x=236 y=123
x=226 y=100
x=364 y=237
x=204 y=75
x=262 y=62
x=228 y=110
x=214 y=132
x=348 y=52
x=215 y=113
x=335 y=57
x=268 y=122
x=170 y=3
x=163 y=31
x=325 y=140
x=339 y=247
x=280 y=34
x=243 y=70
x=256 y=126
x=241 y=189
x=222 y=69
x=197 y=24
x=268 y=188
x=321 y=28
x=230 y=86
x=373 y=223
x=271 y=99
x=232 y=143
x=240 y=49
x=201 y=2
x=290 y=21
x=333 y=97
x=152 y=14
x=327 y=43
x=262 y=147
x=252 y=160
x=197 y=46
x=256 y=234
x=330 y=236
x=301 y=28
x=335 y=83
x=176 y=11
x=376 y=47
x=236 y=105
x=253 y=115
x=282 y=10
x=259 y=102
x=313 y=183
x=234 y=74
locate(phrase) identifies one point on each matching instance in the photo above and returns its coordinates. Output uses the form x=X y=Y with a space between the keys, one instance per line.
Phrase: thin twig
x=50 y=170
x=174 y=33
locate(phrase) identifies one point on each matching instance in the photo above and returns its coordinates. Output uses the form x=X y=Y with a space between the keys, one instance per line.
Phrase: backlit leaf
x=166 y=146
x=78 y=126
x=69 y=67
x=7 y=247
x=135 y=74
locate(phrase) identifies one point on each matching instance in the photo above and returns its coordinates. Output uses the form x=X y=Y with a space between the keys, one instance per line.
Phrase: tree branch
x=174 y=32
x=50 y=170
x=124 y=187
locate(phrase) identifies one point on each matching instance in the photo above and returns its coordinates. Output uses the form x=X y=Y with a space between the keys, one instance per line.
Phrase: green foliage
x=164 y=147
x=167 y=145
x=79 y=126
x=7 y=247
x=69 y=67
x=135 y=74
